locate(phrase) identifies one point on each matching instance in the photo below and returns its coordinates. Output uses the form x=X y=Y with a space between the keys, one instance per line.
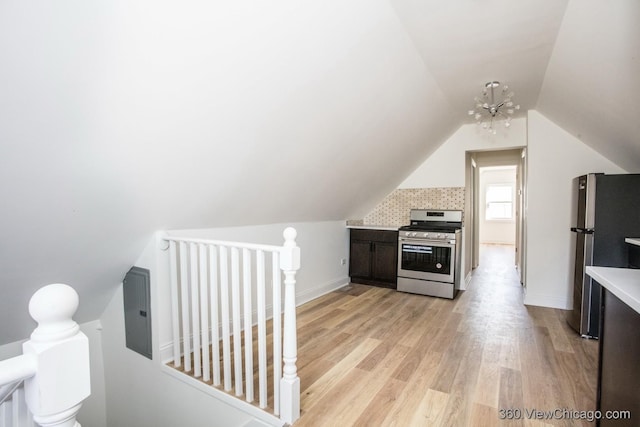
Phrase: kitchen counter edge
x=375 y=227
x=633 y=240
x=624 y=283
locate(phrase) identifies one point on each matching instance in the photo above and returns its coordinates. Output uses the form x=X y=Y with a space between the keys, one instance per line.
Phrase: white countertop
x=633 y=240
x=375 y=227
x=622 y=282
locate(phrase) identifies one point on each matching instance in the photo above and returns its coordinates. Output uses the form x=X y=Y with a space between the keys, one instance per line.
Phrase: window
x=499 y=201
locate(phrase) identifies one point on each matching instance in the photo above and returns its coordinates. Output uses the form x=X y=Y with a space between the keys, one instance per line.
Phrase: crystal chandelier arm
x=496 y=108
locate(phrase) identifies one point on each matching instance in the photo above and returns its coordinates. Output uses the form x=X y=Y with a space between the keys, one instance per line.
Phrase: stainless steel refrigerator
x=605 y=210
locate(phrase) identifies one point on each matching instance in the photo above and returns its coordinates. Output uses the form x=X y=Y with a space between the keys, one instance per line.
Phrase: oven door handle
x=442 y=243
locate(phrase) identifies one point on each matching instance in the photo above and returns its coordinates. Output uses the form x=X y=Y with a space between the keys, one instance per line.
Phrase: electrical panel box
x=137 y=311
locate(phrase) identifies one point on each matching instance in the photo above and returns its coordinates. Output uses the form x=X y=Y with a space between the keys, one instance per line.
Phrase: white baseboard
x=255 y=423
x=311 y=294
x=546 y=300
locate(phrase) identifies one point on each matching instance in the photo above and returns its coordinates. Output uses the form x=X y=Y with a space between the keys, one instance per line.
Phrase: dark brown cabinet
x=373 y=257
x=634 y=256
x=619 y=370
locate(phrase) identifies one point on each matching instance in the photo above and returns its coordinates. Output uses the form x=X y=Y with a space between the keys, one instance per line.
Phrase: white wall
x=445 y=167
x=138 y=393
x=554 y=158
x=496 y=231
x=591 y=84
x=11 y=349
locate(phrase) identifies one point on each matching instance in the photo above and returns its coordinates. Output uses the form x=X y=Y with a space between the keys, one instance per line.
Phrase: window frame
x=511 y=216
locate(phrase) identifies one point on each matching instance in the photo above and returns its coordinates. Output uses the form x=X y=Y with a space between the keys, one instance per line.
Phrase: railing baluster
x=204 y=312
x=175 y=308
x=15 y=407
x=184 y=285
x=212 y=294
x=237 y=334
x=262 y=329
x=248 y=330
x=277 y=332
x=21 y=411
x=28 y=416
x=195 y=310
x=215 y=325
x=224 y=296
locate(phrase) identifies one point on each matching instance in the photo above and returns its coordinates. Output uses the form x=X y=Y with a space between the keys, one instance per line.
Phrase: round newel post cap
x=290 y=253
x=53 y=307
x=290 y=235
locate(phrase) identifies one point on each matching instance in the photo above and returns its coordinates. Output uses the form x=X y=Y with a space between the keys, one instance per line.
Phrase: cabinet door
x=360 y=259
x=619 y=355
x=385 y=261
x=634 y=256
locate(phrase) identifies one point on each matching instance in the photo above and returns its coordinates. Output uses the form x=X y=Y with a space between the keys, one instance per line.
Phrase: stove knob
x=407 y=234
x=413 y=234
x=425 y=235
x=441 y=236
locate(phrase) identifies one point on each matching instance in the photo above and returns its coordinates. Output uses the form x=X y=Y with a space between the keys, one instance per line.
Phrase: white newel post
x=61 y=354
x=290 y=382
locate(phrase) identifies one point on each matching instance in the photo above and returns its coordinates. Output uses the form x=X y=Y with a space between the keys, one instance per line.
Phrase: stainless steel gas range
x=429 y=253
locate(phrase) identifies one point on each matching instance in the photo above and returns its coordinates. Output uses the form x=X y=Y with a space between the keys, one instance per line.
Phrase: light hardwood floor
x=375 y=357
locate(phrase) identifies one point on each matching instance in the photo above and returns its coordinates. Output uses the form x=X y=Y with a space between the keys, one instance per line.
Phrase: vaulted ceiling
x=120 y=118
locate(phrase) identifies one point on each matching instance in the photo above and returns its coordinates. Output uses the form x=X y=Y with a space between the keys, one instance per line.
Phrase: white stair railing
x=49 y=381
x=215 y=286
x=13 y=406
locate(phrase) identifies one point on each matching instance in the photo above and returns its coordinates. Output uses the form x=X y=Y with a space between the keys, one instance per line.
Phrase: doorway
x=495 y=201
x=496 y=216
x=496 y=205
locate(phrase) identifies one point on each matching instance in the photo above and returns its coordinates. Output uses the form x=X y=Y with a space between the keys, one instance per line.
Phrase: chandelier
x=489 y=109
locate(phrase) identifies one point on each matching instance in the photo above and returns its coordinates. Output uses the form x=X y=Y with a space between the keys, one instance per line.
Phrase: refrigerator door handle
x=582 y=230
